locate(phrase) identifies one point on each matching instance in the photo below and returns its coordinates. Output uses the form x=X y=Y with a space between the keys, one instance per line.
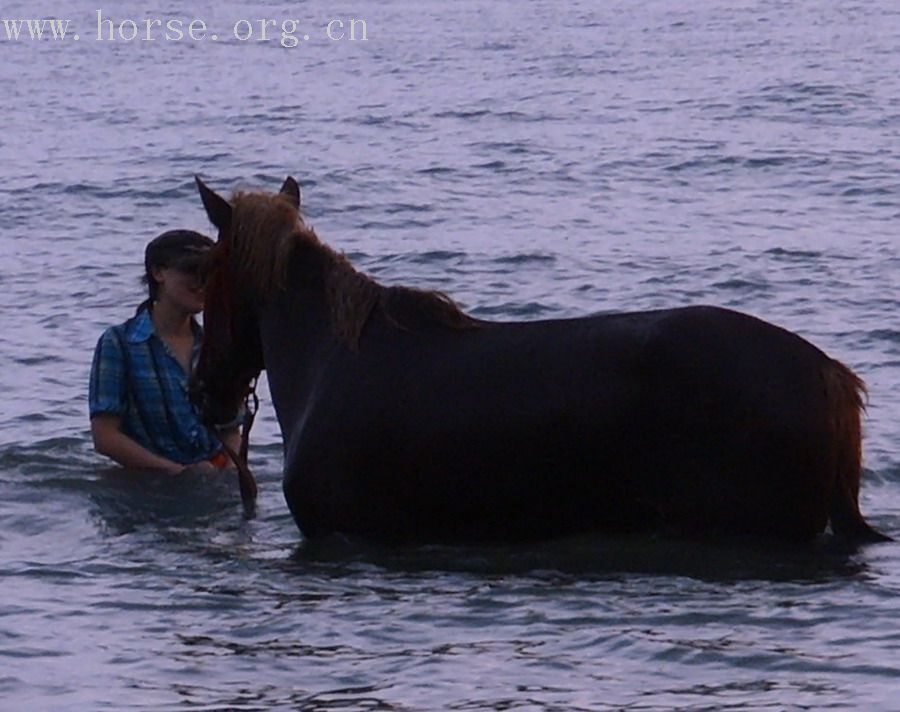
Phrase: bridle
x=246 y=480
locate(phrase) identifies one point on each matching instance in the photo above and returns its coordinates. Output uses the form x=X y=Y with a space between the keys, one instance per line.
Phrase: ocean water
x=533 y=160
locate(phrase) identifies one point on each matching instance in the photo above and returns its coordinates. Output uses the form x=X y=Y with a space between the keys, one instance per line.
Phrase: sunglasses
x=191 y=266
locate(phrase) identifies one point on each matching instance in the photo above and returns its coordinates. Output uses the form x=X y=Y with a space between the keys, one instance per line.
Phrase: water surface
x=533 y=160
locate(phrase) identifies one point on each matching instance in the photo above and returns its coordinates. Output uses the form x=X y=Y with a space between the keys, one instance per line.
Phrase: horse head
x=231 y=355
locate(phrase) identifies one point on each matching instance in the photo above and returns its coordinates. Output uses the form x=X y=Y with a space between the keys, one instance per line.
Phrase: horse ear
x=217 y=208
x=291 y=189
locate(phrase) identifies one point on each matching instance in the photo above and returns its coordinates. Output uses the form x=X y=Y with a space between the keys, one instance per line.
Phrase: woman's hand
x=204 y=467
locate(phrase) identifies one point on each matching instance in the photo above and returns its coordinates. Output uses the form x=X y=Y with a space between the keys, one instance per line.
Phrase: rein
x=246 y=480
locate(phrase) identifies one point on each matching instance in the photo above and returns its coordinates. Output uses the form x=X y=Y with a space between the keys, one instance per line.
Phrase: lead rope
x=246 y=480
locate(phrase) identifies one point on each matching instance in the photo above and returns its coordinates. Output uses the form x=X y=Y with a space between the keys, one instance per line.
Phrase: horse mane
x=268 y=231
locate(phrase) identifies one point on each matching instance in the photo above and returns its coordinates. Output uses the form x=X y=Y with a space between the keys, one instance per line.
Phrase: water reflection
x=601 y=556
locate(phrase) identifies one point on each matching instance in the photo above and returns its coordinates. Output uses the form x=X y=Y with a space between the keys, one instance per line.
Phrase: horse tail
x=845 y=392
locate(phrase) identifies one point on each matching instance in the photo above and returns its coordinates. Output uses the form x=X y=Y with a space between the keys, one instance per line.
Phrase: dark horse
x=405 y=419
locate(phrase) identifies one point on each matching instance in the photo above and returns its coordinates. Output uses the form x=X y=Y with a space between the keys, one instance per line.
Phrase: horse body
x=696 y=420
x=692 y=419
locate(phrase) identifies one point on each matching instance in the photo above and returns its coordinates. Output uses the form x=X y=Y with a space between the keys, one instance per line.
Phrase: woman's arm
x=109 y=440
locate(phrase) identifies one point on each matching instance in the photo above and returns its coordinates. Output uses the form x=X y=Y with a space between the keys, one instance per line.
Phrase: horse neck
x=295 y=331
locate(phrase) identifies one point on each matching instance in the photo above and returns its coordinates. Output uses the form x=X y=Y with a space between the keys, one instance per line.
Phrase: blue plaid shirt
x=134 y=375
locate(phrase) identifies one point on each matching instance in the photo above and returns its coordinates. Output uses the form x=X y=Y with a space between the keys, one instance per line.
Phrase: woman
x=141 y=414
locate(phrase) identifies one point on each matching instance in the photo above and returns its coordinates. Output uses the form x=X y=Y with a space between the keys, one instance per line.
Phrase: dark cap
x=176 y=248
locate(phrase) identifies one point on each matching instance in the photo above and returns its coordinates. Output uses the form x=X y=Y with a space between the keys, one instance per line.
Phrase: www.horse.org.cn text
x=289 y=33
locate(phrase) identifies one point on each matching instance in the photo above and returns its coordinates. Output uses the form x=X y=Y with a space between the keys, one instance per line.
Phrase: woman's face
x=181 y=288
